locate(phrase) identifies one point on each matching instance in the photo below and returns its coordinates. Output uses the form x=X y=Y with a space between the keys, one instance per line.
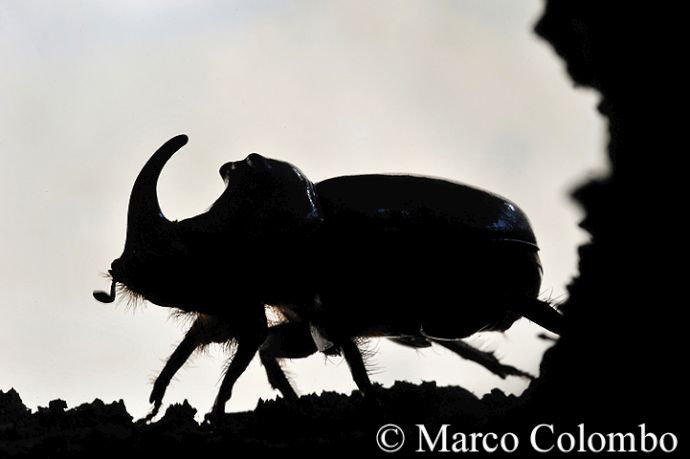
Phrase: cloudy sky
x=89 y=89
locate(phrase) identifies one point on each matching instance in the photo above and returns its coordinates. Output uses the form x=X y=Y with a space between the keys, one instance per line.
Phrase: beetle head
x=264 y=198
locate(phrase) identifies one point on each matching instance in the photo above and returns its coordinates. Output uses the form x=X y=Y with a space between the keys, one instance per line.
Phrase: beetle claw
x=213 y=417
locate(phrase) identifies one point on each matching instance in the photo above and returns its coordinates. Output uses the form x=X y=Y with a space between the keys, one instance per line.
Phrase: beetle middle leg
x=288 y=340
x=353 y=357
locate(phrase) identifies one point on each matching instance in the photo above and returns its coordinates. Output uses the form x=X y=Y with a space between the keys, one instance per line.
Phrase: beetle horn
x=144 y=217
x=147 y=228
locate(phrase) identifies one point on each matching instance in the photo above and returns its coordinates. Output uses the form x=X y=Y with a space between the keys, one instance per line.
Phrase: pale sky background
x=89 y=89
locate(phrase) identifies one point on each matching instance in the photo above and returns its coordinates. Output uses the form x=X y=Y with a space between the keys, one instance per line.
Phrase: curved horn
x=144 y=215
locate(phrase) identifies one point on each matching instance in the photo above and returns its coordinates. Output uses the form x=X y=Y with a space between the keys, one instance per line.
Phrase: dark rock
x=11 y=407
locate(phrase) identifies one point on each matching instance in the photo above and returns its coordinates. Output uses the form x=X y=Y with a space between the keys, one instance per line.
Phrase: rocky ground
x=316 y=424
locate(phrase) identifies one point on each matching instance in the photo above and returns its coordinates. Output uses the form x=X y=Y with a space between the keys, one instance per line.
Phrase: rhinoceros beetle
x=414 y=259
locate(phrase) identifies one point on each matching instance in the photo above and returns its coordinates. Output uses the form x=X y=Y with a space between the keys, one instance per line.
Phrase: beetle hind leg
x=466 y=351
x=486 y=359
x=539 y=312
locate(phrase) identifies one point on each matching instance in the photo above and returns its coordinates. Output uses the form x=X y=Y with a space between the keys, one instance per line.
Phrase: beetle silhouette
x=415 y=259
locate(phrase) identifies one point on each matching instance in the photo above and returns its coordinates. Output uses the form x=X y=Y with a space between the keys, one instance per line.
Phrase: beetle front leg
x=205 y=330
x=183 y=351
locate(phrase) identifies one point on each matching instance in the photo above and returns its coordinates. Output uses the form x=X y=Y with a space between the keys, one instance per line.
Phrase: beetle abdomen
x=414 y=252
